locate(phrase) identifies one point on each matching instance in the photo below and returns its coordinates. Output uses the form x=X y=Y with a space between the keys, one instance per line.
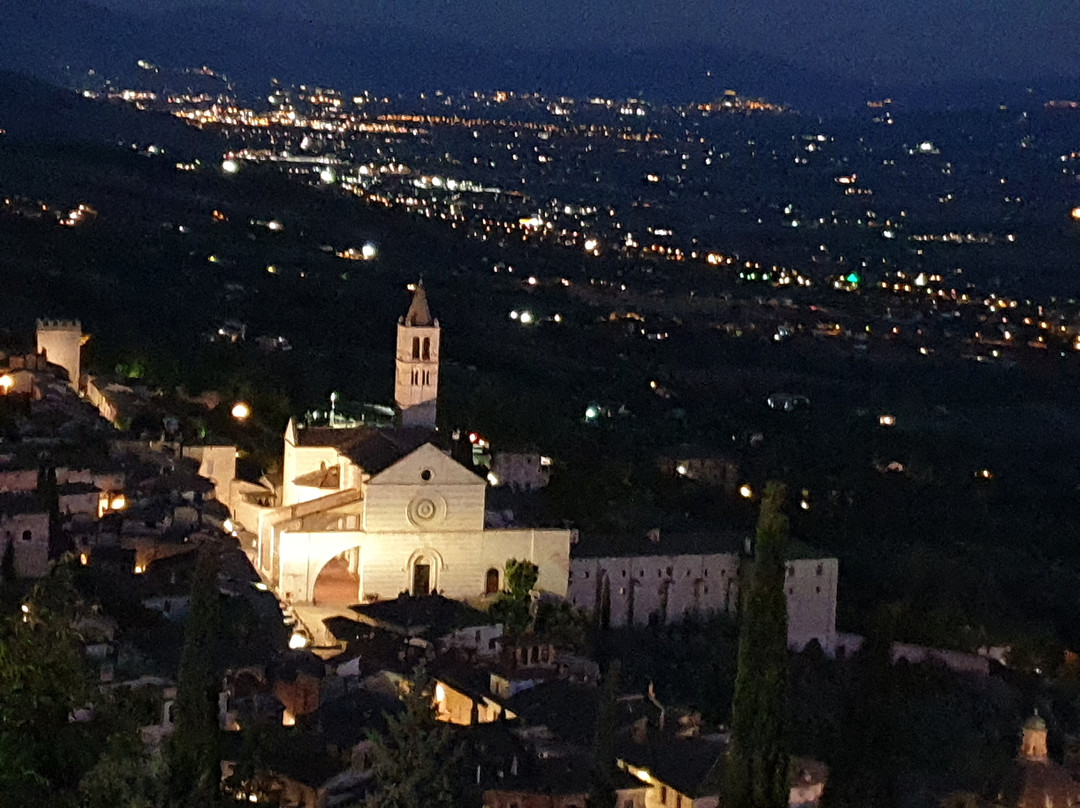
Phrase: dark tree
x=49 y=495
x=512 y=608
x=7 y=563
x=601 y=788
x=415 y=764
x=864 y=774
x=42 y=680
x=756 y=764
x=194 y=749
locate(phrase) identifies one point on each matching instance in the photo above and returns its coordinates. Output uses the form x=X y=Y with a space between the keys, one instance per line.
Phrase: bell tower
x=417 y=382
x=1033 y=745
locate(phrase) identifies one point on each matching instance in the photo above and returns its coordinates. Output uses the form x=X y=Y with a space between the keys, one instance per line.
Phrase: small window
x=491 y=581
x=425 y=475
x=624 y=573
x=663 y=795
x=669 y=571
x=820 y=569
x=791 y=591
x=641 y=573
x=416 y=347
x=427 y=349
x=586 y=573
x=790 y=571
x=818 y=589
x=27 y=535
x=723 y=573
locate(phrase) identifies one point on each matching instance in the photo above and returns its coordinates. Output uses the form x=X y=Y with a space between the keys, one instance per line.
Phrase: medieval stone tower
x=416 y=385
x=62 y=341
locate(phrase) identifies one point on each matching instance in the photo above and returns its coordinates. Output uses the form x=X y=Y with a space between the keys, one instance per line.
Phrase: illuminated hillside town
x=530 y=448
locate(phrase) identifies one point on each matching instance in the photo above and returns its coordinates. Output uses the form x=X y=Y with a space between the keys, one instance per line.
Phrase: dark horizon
x=913 y=42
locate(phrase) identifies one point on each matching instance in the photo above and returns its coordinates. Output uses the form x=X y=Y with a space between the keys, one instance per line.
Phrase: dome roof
x=1035 y=722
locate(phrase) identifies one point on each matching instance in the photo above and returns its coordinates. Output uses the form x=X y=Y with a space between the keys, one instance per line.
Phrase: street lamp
x=6 y=383
x=241 y=411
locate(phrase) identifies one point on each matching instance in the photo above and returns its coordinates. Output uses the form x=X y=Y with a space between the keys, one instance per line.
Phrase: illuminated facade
x=61 y=341
x=388 y=511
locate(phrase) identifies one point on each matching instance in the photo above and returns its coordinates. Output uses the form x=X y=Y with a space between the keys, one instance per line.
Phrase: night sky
x=912 y=40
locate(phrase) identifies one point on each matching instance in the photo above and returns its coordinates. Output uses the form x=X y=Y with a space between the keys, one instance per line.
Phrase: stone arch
x=297 y=558
x=339 y=581
x=414 y=574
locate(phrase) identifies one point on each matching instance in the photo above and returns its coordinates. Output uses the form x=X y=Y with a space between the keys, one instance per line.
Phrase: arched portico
x=338 y=583
x=303 y=556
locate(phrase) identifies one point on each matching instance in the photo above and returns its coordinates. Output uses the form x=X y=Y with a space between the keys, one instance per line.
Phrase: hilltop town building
x=388 y=508
x=387 y=511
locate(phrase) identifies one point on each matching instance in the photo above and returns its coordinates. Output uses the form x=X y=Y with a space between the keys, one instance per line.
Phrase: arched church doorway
x=338 y=583
x=422 y=578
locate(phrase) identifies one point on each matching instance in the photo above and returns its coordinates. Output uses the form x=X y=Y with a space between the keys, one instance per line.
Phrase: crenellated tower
x=61 y=341
x=417 y=383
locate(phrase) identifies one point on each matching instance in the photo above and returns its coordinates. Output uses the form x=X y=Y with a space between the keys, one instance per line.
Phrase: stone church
x=389 y=507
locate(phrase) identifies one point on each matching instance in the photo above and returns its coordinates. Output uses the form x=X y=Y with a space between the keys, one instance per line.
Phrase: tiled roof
x=431 y=616
x=373 y=449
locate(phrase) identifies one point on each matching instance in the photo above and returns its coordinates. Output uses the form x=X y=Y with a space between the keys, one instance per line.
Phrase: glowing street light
x=6 y=383
x=745 y=491
x=241 y=411
x=230 y=166
x=1076 y=213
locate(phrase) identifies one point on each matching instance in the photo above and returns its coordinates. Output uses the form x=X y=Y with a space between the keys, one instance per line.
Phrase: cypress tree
x=416 y=763
x=602 y=792
x=755 y=766
x=194 y=749
x=7 y=562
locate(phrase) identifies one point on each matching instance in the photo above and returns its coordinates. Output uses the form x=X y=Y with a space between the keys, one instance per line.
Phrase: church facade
x=391 y=506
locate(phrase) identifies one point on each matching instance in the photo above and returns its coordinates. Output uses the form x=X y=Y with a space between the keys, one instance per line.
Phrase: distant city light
x=886 y=420
x=369 y=251
x=746 y=491
x=297 y=641
x=1076 y=213
x=526 y=317
x=328 y=176
x=592 y=412
x=230 y=166
x=241 y=411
